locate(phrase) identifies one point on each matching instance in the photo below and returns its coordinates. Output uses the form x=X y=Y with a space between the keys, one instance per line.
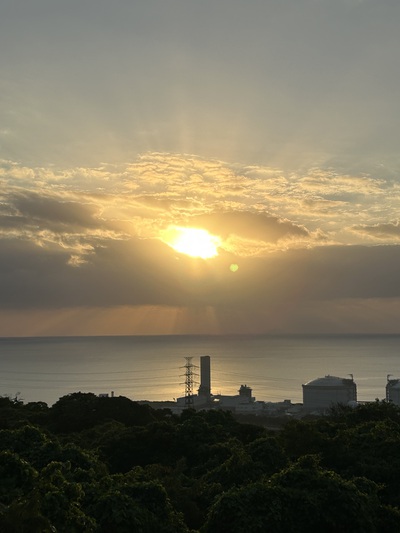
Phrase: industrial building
x=393 y=390
x=244 y=398
x=319 y=395
x=244 y=402
x=322 y=393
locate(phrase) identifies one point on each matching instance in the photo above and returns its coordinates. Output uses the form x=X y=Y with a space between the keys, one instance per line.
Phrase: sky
x=270 y=125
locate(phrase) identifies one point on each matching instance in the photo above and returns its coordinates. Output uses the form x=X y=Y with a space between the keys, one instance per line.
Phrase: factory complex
x=319 y=395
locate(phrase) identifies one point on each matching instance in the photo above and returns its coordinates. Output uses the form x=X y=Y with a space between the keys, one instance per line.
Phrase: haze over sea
x=151 y=367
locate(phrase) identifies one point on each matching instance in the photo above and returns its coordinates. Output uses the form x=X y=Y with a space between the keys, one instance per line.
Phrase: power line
x=80 y=373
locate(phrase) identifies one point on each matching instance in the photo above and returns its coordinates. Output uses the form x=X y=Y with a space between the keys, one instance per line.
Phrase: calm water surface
x=44 y=369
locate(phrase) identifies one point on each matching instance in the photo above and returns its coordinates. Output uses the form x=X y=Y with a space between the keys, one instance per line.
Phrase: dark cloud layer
x=137 y=272
x=98 y=239
x=54 y=212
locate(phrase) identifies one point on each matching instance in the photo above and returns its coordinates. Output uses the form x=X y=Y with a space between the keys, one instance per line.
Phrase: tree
x=302 y=498
x=268 y=455
x=80 y=411
x=120 y=503
x=17 y=477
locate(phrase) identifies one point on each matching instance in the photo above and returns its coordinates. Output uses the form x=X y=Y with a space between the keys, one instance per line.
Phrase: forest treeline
x=90 y=464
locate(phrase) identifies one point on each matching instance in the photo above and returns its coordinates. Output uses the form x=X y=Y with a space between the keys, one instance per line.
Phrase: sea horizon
x=144 y=367
x=204 y=335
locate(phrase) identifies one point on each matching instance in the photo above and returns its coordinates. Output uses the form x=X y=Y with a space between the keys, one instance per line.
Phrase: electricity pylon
x=189 y=382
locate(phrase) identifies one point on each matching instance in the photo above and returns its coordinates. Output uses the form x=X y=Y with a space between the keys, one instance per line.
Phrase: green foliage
x=123 y=504
x=202 y=471
x=61 y=500
x=238 y=469
x=39 y=448
x=24 y=516
x=80 y=411
x=336 y=503
x=301 y=498
x=17 y=477
x=31 y=443
x=267 y=455
x=11 y=413
x=368 y=412
x=300 y=437
x=139 y=446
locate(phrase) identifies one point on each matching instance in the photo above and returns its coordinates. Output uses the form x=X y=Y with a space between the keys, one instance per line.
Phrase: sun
x=195 y=242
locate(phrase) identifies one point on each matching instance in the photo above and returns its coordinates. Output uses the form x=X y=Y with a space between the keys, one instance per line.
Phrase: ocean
x=152 y=367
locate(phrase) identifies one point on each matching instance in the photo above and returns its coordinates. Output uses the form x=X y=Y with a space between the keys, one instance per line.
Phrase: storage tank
x=393 y=390
x=323 y=393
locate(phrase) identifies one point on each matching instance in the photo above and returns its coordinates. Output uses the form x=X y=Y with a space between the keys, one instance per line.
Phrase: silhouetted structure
x=205 y=377
x=393 y=390
x=323 y=393
x=245 y=392
x=189 y=382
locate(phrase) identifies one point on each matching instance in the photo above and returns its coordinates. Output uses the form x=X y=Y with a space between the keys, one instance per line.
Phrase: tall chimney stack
x=205 y=376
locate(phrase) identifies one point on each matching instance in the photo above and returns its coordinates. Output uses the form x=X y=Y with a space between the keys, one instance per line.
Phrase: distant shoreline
x=209 y=336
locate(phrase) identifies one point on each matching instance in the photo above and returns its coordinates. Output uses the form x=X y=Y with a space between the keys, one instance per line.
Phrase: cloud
x=54 y=211
x=143 y=197
x=255 y=226
x=92 y=239
x=387 y=231
x=147 y=272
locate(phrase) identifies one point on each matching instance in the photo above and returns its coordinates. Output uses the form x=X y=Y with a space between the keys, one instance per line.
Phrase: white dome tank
x=322 y=393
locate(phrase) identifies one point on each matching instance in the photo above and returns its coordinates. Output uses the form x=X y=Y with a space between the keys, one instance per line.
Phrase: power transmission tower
x=189 y=382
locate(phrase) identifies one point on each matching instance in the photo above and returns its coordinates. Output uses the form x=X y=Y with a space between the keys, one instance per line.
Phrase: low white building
x=244 y=398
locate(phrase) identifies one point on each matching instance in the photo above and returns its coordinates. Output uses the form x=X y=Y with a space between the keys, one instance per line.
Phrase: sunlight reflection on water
x=44 y=369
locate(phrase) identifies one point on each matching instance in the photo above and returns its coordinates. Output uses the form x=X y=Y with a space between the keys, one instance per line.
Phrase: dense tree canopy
x=92 y=464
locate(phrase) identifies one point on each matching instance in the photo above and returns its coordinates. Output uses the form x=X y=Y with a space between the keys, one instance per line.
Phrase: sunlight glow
x=192 y=241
